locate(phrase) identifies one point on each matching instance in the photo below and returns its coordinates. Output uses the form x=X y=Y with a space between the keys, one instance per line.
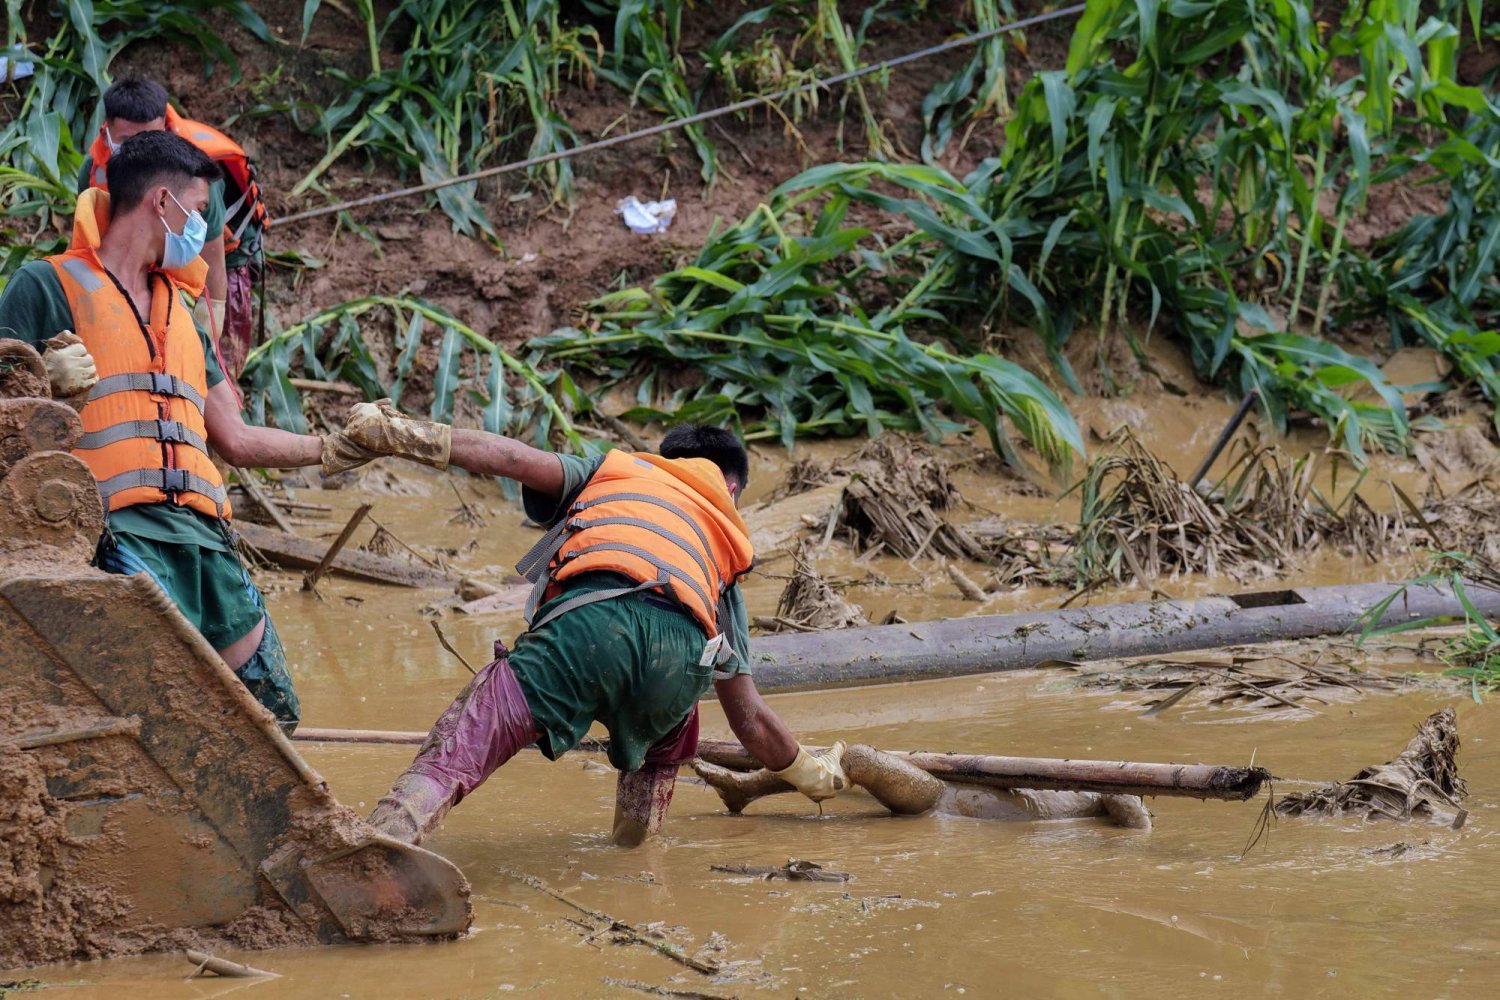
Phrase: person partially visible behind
x=120 y=344
x=236 y=213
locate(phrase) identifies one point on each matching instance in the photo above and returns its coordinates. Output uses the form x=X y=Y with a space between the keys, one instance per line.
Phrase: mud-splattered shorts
x=214 y=593
x=627 y=663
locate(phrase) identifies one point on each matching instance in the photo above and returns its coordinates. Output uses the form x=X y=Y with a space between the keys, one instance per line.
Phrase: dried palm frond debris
x=809 y=603
x=898 y=485
x=1250 y=679
x=802 y=475
x=1465 y=522
x=1421 y=783
x=1139 y=520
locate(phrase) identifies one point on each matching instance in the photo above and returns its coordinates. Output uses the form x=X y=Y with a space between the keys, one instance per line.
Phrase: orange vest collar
x=91 y=222
x=704 y=478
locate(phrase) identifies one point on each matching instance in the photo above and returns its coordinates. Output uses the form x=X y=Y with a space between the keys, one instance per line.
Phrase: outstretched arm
x=760 y=729
x=258 y=447
x=492 y=455
x=756 y=724
x=384 y=430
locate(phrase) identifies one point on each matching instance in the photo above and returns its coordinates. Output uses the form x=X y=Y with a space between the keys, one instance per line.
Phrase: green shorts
x=628 y=663
x=212 y=590
x=208 y=585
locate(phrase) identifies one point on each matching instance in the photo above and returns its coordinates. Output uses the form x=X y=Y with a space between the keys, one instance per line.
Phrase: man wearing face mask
x=121 y=346
x=235 y=213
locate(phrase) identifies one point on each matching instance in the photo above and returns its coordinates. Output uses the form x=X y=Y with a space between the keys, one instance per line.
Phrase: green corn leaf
x=445 y=378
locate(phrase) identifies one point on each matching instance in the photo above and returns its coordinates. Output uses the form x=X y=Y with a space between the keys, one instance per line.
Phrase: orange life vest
x=144 y=436
x=229 y=155
x=668 y=524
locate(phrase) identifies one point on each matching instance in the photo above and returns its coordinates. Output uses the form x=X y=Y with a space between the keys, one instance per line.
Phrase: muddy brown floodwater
x=935 y=906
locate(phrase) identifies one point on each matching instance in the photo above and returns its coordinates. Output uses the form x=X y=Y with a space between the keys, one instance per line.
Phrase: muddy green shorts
x=628 y=663
x=210 y=587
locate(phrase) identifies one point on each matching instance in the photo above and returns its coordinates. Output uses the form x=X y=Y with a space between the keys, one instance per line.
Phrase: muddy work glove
x=385 y=430
x=818 y=776
x=340 y=454
x=70 y=366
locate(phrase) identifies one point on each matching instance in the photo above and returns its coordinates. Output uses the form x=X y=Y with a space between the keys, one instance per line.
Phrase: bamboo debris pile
x=1421 y=783
x=1251 y=679
x=809 y=603
x=1464 y=522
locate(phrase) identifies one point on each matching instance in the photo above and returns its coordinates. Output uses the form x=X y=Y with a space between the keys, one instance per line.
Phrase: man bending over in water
x=636 y=611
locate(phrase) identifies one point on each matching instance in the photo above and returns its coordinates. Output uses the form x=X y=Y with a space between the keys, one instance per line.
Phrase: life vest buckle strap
x=158 y=383
x=170 y=431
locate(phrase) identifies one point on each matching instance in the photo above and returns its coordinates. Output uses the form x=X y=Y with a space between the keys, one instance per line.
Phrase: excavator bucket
x=143 y=791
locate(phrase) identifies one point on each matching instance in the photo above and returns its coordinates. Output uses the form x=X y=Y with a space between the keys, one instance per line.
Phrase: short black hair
x=135 y=100
x=716 y=444
x=149 y=158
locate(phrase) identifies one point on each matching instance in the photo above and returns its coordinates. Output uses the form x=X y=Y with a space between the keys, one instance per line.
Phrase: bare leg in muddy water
x=909 y=791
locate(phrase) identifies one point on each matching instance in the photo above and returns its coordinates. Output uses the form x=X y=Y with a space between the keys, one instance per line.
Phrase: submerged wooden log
x=956 y=647
x=1120 y=777
x=296 y=552
x=1200 y=781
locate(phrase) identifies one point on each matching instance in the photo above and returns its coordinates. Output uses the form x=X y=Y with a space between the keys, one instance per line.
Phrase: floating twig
x=443 y=641
x=631 y=933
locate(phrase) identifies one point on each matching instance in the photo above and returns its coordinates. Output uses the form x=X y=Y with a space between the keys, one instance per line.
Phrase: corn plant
x=474 y=78
x=979 y=87
x=646 y=62
x=516 y=397
x=770 y=313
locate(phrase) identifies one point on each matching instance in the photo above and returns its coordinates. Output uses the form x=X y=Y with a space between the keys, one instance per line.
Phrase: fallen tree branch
x=1111 y=777
x=632 y=934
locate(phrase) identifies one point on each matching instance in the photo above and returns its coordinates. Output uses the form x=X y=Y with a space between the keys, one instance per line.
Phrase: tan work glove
x=340 y=454
x=385 y=430
x=209 y=314
x=70 y=366
x=818 y=776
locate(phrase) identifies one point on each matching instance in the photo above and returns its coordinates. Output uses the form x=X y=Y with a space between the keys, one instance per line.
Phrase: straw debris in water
x=1422 y=782
x=809 y=603
x=1139 y=520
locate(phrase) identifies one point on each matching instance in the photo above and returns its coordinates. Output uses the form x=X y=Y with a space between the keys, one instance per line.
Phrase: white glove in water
x=818 y=776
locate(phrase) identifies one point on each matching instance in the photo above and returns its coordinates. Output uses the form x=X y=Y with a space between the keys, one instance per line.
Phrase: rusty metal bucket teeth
x=165 y=796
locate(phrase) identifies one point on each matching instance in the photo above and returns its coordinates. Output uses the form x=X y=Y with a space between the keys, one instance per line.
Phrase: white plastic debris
x=647 y=216
x=13 y=68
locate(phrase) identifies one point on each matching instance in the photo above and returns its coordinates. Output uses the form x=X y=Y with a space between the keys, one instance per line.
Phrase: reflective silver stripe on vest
x=645 y=498
x=709 y=568
x=665 y=570
x=173 y=431
x=167 y=480
x=162 y=385
x=83 y=274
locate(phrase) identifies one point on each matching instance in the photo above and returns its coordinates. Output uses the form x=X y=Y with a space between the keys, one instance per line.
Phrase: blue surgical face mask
x=109 y=140
x=181 y=248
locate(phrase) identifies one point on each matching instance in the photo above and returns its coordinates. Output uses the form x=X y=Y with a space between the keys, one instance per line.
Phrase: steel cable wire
x=702 y=116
